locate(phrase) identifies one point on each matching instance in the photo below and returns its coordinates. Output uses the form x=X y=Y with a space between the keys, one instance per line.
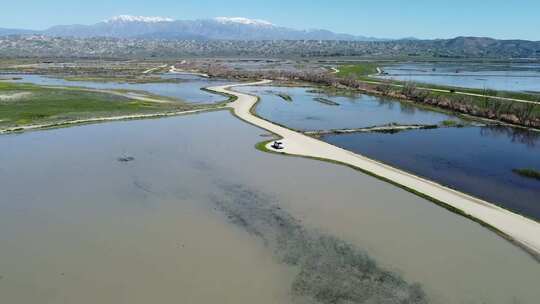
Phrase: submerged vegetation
x=326 y=101
x=529 y=173
x=285 y=97
x=329 y=269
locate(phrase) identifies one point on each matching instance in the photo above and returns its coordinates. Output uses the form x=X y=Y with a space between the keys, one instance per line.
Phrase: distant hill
x=6 y=32
x=477 y=47
x=222 y=28
x=177 y=45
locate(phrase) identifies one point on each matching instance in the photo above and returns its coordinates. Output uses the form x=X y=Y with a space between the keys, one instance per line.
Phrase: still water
x=356 y=111
x=505 y=77
x=474 y=160
x=188 y=88
x=192 y=219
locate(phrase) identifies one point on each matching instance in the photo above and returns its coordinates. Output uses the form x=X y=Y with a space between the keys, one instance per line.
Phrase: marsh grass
x=45 y=105
x=357 y=70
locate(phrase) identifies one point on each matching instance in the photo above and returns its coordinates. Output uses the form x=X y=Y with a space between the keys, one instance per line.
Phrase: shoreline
x=132 y=95
x=104 y=119
x=516 y=228
x=436 y=108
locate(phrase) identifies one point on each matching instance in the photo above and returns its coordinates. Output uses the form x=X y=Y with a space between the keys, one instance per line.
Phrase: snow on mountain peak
x=129 y=18
x=242 y=20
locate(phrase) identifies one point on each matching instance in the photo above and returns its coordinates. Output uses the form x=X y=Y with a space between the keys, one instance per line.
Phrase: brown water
x=77 y=226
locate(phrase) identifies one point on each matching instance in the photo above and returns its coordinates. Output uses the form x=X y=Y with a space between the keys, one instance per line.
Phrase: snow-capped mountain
x=242 y=20
x=129 y=18
x=220 y=28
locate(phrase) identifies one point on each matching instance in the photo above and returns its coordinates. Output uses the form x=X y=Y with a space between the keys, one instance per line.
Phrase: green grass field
x=358 y=71
x=24 y=104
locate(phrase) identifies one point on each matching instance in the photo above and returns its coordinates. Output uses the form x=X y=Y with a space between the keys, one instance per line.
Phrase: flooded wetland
x=235 y=152
x=517 y=77
x=182 y=87
x=306 y=112
x=465 y=155
x=199 y=216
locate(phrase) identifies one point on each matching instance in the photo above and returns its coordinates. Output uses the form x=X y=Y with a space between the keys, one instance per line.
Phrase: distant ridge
x=220 y=28
x=6 y=32
x=180 y=44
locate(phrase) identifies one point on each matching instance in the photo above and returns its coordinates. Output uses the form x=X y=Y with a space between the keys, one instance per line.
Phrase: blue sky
x=386 y=19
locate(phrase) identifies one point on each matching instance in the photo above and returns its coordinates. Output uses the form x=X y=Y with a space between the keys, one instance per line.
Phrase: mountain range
x=221 y=28
x=138 y=36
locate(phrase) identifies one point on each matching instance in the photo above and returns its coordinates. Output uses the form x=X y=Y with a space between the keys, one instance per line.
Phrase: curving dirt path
x=520 y=230
x=149 y=71
x=174 y=70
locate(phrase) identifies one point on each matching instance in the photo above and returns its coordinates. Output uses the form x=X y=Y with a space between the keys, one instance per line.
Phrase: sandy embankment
x=154 y=69
x=174 y=70
x=519 y=229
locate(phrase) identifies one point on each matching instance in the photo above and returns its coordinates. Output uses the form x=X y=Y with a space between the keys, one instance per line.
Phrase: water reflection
x=515 y=135
x=353 y=111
